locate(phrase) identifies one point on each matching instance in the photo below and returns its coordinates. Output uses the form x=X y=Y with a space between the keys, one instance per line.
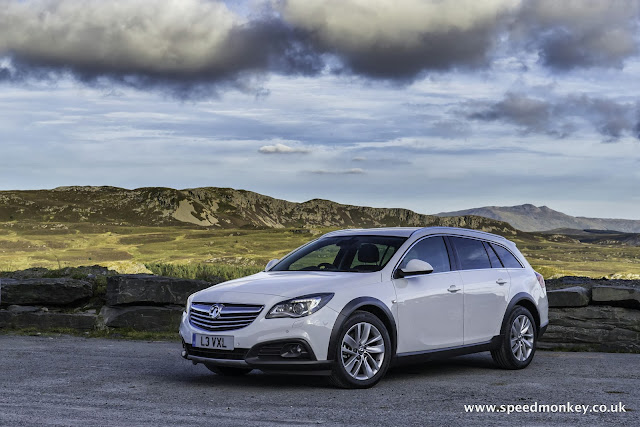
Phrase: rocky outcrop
x=59 y=292
x=143 y=289
x=575 y=296
x=593 y=328
x=211 y=207
x=142 y=318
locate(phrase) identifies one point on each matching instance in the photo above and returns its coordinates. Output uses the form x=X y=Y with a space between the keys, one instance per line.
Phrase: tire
x=362 y=366
x=227 y=371
x=519 y=340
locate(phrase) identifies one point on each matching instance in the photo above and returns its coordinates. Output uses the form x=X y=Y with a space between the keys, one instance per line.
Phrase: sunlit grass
x=205 y=252
x=200 y=271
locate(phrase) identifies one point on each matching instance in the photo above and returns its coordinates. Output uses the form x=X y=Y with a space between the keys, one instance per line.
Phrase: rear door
x=486 y=288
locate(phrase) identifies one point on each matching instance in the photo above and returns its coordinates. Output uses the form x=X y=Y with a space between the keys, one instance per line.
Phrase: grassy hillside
x=199 y=232
x=128 y=248
x=133 y=249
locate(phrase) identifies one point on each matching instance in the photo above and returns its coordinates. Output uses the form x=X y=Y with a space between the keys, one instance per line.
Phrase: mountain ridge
x=531 y=218
x=210 y=207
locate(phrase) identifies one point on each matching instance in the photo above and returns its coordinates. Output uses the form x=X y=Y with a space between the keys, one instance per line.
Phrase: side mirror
x=271 y=264
x=415 y=267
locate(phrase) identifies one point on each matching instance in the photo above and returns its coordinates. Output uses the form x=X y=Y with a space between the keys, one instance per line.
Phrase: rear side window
x=507 y=258
x=495 y=261
x=432 y=250
x=471 y=253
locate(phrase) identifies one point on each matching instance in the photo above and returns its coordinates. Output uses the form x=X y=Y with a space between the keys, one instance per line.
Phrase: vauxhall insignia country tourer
x=354 y=302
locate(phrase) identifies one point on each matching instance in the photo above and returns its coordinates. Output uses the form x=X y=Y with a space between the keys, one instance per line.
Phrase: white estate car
x=353 y=302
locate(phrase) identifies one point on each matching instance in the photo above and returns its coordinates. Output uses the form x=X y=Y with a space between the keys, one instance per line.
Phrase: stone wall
x=593 y=315
x=146 y=302
x=585 y=314
x=138 y=301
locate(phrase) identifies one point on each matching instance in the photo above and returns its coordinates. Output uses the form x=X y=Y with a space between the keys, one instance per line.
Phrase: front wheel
x=228 y=371
x=362 y=352
x=519 y=340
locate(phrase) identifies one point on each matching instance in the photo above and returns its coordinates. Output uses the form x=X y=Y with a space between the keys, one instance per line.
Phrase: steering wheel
x=326 y=266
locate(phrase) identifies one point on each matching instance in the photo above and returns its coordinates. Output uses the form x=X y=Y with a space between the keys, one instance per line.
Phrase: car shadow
x=257 y=379
x=199 y=376
x=453 y=365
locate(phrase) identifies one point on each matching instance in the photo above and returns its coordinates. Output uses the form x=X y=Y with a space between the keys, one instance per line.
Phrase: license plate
x=217 y=342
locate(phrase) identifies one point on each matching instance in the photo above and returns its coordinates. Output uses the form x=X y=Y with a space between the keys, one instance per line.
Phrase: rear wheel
x=228 y=371
x=519 y=340
x=362 y=352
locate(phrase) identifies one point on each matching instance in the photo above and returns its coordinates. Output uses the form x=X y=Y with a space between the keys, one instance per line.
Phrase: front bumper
x=260 y=344
x=265 y=356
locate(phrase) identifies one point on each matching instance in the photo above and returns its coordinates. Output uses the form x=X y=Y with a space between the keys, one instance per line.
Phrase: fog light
x=293 y=350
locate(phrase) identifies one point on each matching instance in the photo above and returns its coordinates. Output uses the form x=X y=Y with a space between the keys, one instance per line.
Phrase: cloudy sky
x=430 y=105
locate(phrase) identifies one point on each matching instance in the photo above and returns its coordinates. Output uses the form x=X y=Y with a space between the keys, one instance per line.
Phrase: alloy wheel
x=522 y=337
x=362 y=351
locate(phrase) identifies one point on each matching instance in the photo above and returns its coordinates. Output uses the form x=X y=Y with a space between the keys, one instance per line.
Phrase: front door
x=429 y=306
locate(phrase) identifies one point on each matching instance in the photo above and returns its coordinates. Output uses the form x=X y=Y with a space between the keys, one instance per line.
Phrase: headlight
x=189 y=301
x=299 y=307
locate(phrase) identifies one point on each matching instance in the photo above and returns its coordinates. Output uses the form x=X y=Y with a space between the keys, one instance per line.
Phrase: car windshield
x=343 y=253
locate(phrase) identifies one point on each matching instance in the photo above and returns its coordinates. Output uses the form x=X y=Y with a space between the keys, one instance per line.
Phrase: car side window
x=495 y=261
x=507 y=258
x=471 y=253
x=432 y=250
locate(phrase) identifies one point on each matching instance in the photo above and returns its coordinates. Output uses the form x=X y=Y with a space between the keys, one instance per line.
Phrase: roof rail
x=459 y=228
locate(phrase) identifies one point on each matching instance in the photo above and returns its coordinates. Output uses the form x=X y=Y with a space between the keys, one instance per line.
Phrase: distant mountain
x=533 y=218
x=209 y=207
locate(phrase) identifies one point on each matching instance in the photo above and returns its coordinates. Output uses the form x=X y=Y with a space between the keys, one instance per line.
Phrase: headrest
x=368 y=253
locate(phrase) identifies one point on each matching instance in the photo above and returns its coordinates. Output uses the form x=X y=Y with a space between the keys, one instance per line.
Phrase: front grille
x=231 y=317
x=236 y=354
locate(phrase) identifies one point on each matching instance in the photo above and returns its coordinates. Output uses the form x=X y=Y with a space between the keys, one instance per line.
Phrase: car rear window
x=495 y=261
x=507 y=258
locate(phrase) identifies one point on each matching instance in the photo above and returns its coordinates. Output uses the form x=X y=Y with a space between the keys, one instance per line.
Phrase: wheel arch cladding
x=370 y=305
x=524 y=300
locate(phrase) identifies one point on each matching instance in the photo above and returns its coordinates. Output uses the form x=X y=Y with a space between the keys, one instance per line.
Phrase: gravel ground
x=67 y=380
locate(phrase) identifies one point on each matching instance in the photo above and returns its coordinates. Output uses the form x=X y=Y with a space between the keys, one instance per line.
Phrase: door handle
x=453 y=289
x=501 y=281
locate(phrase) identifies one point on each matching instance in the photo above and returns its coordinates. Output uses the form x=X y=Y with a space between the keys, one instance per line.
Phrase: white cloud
x=352 y=171
x=280 y=148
